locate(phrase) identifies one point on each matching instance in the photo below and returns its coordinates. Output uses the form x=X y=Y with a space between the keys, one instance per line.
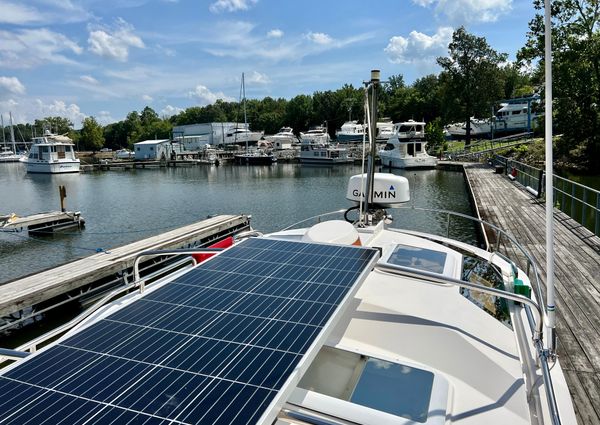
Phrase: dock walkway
x=46 y=285
x=577 y=277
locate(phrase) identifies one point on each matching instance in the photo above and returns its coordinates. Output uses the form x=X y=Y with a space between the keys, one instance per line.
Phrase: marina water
x=124 y=206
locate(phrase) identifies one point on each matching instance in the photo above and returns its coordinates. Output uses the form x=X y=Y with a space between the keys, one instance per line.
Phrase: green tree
x=298 y=113
x=472 y=74
x=57 y=125
x=92 y=137
x=576 y=75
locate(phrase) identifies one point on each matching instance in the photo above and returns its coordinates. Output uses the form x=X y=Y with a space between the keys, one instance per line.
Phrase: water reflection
x=124 y=206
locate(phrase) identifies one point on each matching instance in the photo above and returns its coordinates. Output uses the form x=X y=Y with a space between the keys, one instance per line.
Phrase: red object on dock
x=224 y=243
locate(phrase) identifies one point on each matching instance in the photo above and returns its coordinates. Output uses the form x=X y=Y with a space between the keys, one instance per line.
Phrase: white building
x=156 y=149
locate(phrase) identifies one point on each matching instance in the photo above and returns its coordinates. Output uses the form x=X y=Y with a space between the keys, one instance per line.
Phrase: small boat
x=6 y=154
x=316 y=134
x=479 y=128
x=284 y=139
x=407 y=147
x=124 y=154
x=252 y=156
x=255 y=157
x=322 y=153
x=52 y=154
x=351 y=131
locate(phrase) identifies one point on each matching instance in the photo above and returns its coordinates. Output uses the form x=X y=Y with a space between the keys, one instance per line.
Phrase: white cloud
x=10 y=86
x=114 y=44
x=205 y=97
x=275 y=33
x=460 y=12
x=319 y=38
x=18 y=13
x=105 y=118
x=147 y=98
x=169 y=111
x=61 y=109
x=32 y=47
x=89 y=79
x=419 y=47
x=231 y=5
x=257 y=78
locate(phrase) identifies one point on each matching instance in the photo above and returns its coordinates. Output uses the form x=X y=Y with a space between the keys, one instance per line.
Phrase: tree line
x=473 y=78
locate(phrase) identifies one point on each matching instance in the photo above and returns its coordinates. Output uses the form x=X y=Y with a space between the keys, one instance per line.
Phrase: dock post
x=63 y=194
x=540 y=183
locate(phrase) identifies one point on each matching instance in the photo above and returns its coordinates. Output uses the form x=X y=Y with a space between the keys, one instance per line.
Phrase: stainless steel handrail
x=31 y=346
x=169 y=253
x=437 y=278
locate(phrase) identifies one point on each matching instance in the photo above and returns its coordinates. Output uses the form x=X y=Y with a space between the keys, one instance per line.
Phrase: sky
x=106 y=58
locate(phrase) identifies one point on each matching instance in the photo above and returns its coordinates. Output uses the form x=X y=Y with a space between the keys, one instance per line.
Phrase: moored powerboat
x=316 y=134
x=351 y=131
x=407 y=147
x=52 y=154
x=284 y=139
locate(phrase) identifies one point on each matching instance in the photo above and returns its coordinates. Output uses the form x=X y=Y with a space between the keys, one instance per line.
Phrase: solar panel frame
x=270 y=413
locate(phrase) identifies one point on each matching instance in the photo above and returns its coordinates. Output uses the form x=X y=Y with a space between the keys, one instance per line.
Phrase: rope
x=97 y=250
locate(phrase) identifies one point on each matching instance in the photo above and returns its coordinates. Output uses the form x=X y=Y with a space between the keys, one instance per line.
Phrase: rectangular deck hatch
x=222 y=344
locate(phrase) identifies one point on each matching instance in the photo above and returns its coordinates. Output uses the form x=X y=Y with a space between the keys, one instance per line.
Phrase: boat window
x=477 y=270
x=411 y=149
x=388 y=147
x=393 y=388
x=516 y=112
x=418 y=258
x=418 y=147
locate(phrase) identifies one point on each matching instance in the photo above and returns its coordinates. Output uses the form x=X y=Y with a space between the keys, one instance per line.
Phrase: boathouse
x=156 y=149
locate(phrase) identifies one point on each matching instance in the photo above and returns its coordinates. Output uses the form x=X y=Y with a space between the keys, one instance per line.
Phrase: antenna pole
x=374 y=83
x=3 y=136
x=550 y=307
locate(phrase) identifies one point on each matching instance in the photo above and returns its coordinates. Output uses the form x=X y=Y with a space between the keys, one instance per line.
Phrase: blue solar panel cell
x=213 y=346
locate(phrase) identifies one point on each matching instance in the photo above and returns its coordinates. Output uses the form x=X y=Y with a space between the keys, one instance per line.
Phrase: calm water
x=123 y=206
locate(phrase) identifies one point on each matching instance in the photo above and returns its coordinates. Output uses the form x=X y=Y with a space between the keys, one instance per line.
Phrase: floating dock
x=510 y=206
x=41 y=223
x=91 y=274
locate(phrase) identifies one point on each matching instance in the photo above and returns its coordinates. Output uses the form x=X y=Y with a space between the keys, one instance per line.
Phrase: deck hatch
x=222 y=343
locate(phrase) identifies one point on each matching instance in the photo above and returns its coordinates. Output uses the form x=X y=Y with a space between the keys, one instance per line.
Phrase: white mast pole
x=245 y=119
x=3 y=136
x=550 y=307
x=12 y=134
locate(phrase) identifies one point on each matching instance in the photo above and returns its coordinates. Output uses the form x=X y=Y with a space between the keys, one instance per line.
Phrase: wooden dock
x=80 y=275
x=577 y=277
x=42 y=222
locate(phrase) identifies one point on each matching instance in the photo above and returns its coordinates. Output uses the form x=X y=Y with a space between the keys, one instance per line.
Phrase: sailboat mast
x=550 y=307
x=244 y=104
x=3 y=136
x=12 y=134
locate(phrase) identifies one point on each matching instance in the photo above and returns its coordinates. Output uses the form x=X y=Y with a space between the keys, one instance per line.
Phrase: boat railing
x=137 y=283
x=532 y=308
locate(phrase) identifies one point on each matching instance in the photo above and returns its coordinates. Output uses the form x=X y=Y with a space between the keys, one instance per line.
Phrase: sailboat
x=254 y=156
x=7 y=155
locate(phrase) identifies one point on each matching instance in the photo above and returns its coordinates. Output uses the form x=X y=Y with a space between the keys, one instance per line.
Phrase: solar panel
x=220 y=344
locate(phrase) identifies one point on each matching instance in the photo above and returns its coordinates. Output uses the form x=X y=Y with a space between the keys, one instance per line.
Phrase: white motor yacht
x=317 y=135
x=385 y=130
x=407 y=147
x=52 y=154
x=284 y=139
x=322 y=153
x=351 y=131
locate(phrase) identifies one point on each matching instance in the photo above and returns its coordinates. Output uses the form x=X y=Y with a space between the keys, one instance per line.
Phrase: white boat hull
x=43 y=167
x=409 y=162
